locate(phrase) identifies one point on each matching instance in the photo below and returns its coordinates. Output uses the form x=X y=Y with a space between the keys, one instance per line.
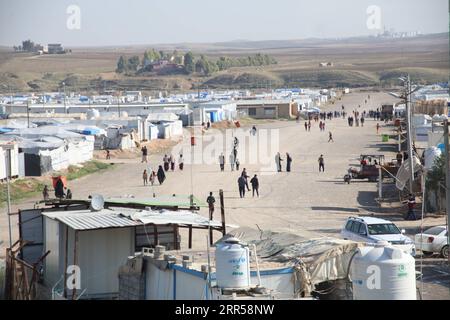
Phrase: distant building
x=268 y=109
x=54 y=48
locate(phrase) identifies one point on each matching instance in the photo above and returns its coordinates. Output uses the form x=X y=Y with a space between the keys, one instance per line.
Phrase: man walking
x=144 y=154
x=306 y=126
x=411 y=204
x=232 y=161
x=244 y=174
x=222 y=162
x=211 y=200
x=330 y=137
x=321 y=163
x=255 y=185
x=241 y=185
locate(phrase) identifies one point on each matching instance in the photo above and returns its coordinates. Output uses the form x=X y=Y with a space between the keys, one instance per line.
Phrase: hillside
x=356 y=62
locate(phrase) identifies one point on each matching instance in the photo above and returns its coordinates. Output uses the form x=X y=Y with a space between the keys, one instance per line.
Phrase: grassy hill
x=356 y=62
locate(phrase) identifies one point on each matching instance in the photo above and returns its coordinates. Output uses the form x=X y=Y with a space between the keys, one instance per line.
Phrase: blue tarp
x=4 y=130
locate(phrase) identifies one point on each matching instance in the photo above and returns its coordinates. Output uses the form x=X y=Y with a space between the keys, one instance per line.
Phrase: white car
x=372 y=230
x=433 y=240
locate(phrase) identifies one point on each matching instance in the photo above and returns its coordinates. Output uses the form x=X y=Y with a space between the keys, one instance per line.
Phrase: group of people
x=61 y=191
x=243 y=184
x=149 y=176
x=278 y=161
x=234 y=161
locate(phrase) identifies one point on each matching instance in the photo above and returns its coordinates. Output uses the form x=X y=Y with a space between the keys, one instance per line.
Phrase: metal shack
x=99 y=241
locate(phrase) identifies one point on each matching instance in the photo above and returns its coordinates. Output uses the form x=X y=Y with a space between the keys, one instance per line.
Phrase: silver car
x=372 y=230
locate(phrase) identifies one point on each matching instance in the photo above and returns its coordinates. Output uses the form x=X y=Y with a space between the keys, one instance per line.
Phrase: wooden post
x=155 y=235
x=75 y=261
x=211 y=216
x=190 y=237
x=222 y=212
x=175 y=238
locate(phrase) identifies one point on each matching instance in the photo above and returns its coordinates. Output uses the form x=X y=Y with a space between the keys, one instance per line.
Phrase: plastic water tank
x=232 y=264
x=92 y=114
x=382 y=272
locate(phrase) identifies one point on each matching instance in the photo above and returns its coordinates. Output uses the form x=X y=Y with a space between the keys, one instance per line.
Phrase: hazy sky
x=120 y=22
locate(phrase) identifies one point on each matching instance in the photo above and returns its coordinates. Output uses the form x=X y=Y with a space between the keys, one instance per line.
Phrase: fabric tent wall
x=14 y=162
x=33 y=165
x=176 y=127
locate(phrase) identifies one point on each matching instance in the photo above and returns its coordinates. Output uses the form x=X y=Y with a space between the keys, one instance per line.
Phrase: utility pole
x=447 y=177
x=64 y=89
x=28 y=113
x=118 y=103
x=409 y=133
x=8 y=192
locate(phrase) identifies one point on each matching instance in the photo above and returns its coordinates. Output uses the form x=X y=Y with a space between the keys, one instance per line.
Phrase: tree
x=133 y=63
x=121 y=65
x=189 y=64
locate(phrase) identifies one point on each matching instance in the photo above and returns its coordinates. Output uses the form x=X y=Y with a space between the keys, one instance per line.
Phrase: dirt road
x=302 y=201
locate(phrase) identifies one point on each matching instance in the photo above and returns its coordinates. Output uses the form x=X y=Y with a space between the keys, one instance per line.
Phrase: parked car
x=372 y=230
x=433 y=240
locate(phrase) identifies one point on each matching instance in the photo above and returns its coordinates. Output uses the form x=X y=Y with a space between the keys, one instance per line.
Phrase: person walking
x=222 y=162
x=309 y=125
x=278 y=161
x=288 y=162
x=320 y=126
x=59 y=189
x=144 y=154
x=152 y=177
x=181 y=162
x=232 y=161
x=330 y=137
x=45 y=193
x=172 y=162
x=362 y=121
x=255 y=185
x=411 y=204
x=145 y=177
x=321 y=163
x=241 y=185
x=161 y=175
x=237 y=164
x=244 y=174
x=378 y=128
x=166 y=162
x=211 y=200
x=108 y=155
x=306 y=126
x=68 y=194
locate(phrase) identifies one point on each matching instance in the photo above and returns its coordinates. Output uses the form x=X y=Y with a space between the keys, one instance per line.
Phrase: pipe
x=257 y=265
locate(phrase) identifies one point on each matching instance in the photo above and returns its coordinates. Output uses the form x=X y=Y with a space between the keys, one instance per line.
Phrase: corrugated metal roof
x=89 y=220
x=262 y=102
x=122 y=218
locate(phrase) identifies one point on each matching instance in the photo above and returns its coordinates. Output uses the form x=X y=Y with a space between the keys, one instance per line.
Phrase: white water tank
x=382 y=272
x=92 y=114
x=232 y=264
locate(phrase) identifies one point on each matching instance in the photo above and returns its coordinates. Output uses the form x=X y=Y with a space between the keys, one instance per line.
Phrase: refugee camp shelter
x=9 y=160
x=100 y=240
x=50 y=148
x=267 y=108
x=215 y=111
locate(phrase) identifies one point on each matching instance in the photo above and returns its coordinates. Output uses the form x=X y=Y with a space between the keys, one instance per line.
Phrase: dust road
x=303 y=202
